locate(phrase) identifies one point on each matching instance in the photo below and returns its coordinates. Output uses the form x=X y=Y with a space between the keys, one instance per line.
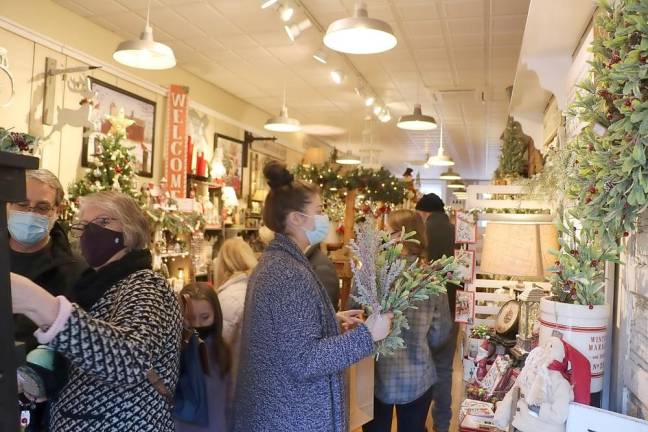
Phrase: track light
x=267 y=3
x=384 y=116
x=321 y=56
x=377 y=109
x=369 y=100
x=338 y=76
x=286 y=12
x=295 y=30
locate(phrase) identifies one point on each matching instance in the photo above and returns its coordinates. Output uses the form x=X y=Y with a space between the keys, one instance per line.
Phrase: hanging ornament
x=116 y=186
x=96 y=172
x=118 y=169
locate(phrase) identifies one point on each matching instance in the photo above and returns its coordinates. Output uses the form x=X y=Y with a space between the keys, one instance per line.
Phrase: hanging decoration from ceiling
x=375 y=185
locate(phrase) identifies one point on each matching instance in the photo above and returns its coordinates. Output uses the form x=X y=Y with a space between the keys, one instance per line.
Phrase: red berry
x=626 y=234
x=591 y=306
x=627 y=103
x=595 y=263
x=588 y=200
x=574 y=252
x=592 y=189
x=590 y=147
x=557 y=263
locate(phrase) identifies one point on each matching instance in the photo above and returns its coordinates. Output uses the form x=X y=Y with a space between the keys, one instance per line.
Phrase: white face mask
x=321 y=230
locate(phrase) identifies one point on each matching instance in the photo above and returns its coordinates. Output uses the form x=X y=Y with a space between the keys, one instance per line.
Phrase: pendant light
x=456 y=184
x=417 y=121
x=347 y=158
x=450 y=174
x=145 y=53
x=441 y=159
x=360 y=34
x=283 y=123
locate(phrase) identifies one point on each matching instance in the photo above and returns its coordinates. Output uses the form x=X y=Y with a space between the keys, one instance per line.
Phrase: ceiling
x=455 y=56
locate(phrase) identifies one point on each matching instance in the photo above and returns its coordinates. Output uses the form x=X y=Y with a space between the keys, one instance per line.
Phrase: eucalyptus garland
x=375 y=185
x=610 y=179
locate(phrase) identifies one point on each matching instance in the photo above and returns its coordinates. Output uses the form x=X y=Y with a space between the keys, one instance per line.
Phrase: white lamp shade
x=347 y=159
x=417 y=121
x=450 y=174
x=360 y=34
x=518 y=249
x=145 y=53
x=283 y=123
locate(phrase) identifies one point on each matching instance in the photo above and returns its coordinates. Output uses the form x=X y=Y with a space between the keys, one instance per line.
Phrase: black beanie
x=430 y=203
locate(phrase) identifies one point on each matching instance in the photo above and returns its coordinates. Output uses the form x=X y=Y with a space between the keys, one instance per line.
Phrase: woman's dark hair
x=286 y=195
x=204 y=291
x=412 y=223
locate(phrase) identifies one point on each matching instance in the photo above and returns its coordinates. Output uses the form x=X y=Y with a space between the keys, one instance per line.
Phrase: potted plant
x=577 y=306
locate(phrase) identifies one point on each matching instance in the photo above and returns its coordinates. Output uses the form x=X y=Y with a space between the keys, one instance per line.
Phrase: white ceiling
x=449 y=54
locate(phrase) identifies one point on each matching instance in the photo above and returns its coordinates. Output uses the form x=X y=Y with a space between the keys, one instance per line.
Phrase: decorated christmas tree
x=513 y=151
x=112 y=167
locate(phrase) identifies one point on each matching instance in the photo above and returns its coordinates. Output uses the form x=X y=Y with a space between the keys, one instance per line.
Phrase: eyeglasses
x=77 y=228
x=42 y=208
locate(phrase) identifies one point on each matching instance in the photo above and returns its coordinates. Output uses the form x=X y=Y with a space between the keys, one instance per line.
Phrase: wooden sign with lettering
x=176 y=149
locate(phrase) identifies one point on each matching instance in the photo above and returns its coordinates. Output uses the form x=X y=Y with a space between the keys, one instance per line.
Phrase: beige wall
x=61 y=29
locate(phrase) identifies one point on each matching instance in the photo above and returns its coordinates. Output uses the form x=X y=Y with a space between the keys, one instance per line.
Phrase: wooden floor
x=457 y=395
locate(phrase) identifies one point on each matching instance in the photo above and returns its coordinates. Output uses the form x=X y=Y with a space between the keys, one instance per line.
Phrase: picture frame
x=140 y=136
x=466 y=268
x=465 y=228
x=257 y=181
x=465 y=307
x=234 y=159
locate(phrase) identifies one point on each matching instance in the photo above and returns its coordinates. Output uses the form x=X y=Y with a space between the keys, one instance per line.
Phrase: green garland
x=375 y=185
x=610 y=178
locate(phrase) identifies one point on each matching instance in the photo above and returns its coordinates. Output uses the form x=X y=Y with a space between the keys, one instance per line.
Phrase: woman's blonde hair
x=123 y=208
x=235 y=256
x=412 y=223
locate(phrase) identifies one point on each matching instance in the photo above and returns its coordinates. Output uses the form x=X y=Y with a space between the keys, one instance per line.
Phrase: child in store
x=206 y=317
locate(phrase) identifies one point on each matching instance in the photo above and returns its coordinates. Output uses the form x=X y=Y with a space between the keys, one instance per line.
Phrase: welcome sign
x=176 y=160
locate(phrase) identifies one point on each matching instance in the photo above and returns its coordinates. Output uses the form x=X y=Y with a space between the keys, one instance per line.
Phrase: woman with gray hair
x=120 y=329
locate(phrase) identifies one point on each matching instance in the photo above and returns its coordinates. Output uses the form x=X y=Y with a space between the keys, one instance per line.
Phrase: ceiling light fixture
x=377 y=109
x=417 y=120
x=384 y=116
x=338 y=76
x=360 y=34
x=441 y=159
x=450 y=174
x=145 y=53
x=456 y=184
x=285 y=12
x=295 y=30
x=267 y=3
x=283 y=123
x=369 y=100
x=347 y=158
x=321 y=56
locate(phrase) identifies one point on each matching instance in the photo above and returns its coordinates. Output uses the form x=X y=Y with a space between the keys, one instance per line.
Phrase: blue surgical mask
x=321 y=230
x=28 y=228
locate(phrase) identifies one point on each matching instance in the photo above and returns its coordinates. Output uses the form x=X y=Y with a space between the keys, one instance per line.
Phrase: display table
x=12 y=189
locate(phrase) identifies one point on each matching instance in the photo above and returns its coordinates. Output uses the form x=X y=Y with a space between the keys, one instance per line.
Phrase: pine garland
x=376 y=185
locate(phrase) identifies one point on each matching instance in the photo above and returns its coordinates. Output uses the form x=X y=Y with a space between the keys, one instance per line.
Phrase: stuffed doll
x=545 y=385
x=485 y=356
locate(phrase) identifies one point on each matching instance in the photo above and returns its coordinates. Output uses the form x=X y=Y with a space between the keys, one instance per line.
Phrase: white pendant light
x=283 y=123
x=456 y=184
x=450 y=174
x=347 y=159
x=360 y=34
x=417 y=121
x=145 y=53
x=441 y=159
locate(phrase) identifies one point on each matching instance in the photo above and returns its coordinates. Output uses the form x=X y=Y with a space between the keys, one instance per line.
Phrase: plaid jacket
x=410 y=372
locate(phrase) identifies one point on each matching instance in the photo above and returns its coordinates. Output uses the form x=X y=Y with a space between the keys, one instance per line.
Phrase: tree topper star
x=119 y=123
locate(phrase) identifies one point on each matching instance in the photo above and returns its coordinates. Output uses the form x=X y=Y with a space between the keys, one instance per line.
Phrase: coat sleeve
x=232 y=302
x=122 y=350
x=300 y=338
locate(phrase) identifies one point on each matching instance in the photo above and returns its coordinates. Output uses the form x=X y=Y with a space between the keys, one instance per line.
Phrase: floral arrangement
x=481 y=331
x=385 y=281
x=17 y=142
x=375 y=185
x=579 y=274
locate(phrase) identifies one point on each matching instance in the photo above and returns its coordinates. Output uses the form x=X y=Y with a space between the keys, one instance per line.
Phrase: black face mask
x=205 y=332
x=99 y=244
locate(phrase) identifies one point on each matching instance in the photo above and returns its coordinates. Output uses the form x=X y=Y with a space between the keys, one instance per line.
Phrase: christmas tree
x=513 y=151
x=112 y=167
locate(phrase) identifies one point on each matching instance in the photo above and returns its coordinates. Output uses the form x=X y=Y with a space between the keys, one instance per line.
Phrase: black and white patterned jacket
x=135 y=325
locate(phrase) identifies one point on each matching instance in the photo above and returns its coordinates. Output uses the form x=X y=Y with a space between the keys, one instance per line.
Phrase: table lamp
x=521 y=249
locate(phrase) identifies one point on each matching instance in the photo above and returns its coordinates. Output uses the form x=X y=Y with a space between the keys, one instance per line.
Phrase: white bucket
x=583 y=328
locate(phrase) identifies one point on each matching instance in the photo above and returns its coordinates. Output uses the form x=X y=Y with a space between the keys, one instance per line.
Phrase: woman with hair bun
x=290 y=376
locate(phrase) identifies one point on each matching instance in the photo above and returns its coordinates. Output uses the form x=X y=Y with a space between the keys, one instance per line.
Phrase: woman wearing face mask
x=123 y=326
x=291 y=371
x=207 y=319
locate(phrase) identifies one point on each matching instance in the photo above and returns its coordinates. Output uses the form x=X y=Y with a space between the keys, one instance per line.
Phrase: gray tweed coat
x=292 y=353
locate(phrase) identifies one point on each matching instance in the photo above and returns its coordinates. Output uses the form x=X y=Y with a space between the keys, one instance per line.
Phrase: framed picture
x=466 y=268
x=465 y=228
x=234 y=155
x=465 y=307
x=257 y=179
x=140 y=136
